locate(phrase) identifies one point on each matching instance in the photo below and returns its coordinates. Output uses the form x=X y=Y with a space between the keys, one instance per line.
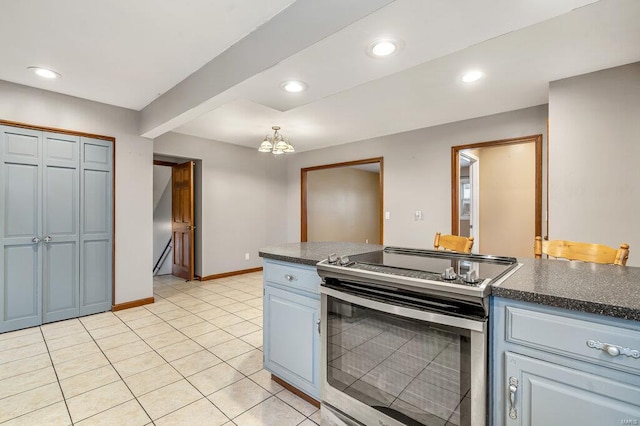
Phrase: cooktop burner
x=421 y=270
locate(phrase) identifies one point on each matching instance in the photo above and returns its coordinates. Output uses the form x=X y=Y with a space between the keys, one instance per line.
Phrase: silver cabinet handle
x=513 y=387
x=318 y=323
x=47 y=239
x=289 y=277
x=36 y=240
x=613 y=350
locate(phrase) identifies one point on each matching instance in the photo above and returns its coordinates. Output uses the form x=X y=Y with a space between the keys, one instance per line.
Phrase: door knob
x=47 y=239
x=35 y=240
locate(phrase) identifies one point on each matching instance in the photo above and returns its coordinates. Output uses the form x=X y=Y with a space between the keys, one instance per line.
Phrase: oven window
x=413 y=371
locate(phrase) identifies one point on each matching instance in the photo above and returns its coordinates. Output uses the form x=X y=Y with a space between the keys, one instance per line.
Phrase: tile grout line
x=117 y=372
x=53 y=366
x=180 y=292
x=272 y=395
x=169 y=363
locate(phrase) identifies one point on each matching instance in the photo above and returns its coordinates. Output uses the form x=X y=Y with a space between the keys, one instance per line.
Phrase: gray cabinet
x=291 y=325
x=56 y=224
x=549 y=394
x=552 y=366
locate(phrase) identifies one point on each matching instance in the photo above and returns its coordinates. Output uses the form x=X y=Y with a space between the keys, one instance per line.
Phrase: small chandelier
x=276 y=144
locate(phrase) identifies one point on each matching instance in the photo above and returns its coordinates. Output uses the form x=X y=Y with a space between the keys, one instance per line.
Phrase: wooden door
x=182 y=227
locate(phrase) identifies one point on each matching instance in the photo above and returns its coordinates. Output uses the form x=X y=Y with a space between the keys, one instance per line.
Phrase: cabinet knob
x=36 y=240
x=613 y=351
x=47 y=239
x=289 y=277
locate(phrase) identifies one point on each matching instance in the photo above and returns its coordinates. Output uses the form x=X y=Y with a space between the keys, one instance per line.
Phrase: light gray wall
x=417 y=171
x=161 y=177
x=594 y=166
x=242 y=201
x=162 y=220
x=133 y=172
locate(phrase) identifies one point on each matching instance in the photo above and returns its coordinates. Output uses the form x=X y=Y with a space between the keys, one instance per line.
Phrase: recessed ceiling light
x=294 y=86
x=384 y=47
x=44 y=73
x=471 y=76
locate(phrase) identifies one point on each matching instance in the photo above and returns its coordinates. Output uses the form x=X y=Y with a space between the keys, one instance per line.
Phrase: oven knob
x=471 y=277
x=344 y=260
x=449 y=274
x=333 y=258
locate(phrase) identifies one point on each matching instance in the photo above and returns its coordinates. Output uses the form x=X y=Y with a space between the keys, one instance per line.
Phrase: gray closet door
x=20 y=224
x=96 y=249
x=61 y=223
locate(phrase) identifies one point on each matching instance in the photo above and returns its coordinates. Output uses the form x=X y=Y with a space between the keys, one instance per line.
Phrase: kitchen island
x=563 y=337
x=292 y=312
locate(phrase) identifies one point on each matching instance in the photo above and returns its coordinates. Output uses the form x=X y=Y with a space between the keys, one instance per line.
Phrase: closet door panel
x=21 y=201
x=20 y=292
x=96 y=273
x=20 y=227
x=96 y=226
x=61 y=292
x=97 y=218
x=61 y=201
x=21 y=145
x=61 y=288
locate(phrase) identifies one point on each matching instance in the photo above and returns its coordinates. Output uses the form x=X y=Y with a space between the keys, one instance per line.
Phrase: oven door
x=385 y=364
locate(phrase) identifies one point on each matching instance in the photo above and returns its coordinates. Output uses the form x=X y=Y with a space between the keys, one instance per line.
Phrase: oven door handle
x=432 y=317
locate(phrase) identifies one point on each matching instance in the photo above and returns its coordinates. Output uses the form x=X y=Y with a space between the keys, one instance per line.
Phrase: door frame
x=455 y=176
x=474 y=179
x=113 y=186
x=303 y=191
x=174 y=161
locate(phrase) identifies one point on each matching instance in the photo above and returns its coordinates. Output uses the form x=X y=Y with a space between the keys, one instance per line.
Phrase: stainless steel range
x=405 y=336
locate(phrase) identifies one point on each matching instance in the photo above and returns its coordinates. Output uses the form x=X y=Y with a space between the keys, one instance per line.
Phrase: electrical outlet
x=387 y=215
x=418 y=215
x=366 y=241
x=246 y=256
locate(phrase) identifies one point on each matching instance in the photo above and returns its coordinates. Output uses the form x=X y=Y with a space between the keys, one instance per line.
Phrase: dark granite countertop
x=312 y=253
x=587 y=287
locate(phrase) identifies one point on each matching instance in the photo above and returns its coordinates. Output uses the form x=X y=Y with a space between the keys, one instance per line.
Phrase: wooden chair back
x=585 y=252
x=453 y=242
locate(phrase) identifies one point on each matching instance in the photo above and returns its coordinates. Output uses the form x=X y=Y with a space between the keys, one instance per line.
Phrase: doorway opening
x=175 y=217
x=343 y=202
x=496 y=194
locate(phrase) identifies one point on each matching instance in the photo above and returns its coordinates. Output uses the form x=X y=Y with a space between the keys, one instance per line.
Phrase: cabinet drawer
x=299 y=277
x=573 y=338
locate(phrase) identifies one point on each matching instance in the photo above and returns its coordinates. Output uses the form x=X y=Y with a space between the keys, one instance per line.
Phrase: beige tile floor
x=193 y=357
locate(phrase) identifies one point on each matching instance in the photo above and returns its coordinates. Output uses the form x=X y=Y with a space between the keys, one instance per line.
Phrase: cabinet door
x=61 y=217
x=291 y=339
x=96 y=214
x=548 y=394
x=21 y=227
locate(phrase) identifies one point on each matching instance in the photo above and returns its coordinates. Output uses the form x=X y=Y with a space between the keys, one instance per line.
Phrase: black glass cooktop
x=431 y=264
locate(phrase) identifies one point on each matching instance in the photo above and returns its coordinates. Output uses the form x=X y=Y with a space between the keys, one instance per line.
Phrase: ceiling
x=214 y=69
